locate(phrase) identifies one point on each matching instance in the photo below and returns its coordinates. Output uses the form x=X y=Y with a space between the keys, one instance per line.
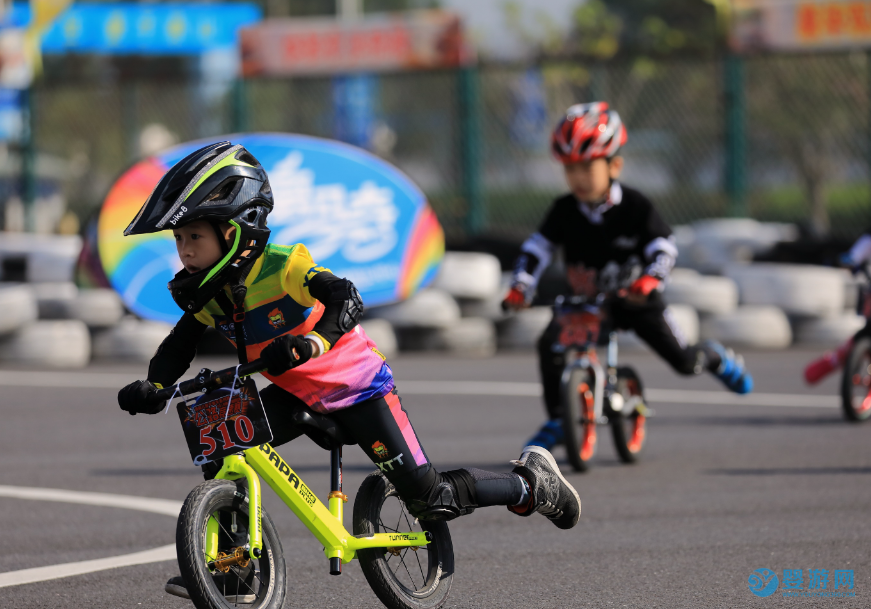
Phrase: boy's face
x=590 y=180
x=198 y=246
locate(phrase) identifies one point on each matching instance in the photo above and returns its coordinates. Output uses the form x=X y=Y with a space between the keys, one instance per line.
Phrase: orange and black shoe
x=550 y=493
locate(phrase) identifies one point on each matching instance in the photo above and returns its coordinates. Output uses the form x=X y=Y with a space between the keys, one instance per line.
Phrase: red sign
x=801 y=25
x=413 y=40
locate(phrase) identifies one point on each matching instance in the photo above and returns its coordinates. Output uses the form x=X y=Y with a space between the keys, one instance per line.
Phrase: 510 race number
x=212 y=432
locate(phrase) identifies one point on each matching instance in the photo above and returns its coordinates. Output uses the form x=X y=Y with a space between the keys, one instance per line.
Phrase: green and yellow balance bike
x=228 y=550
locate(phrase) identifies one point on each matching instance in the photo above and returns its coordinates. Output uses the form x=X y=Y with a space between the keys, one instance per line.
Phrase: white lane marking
x=84 y=380
x=115 y=380
x=143 y=504
x=166 y=507
x=40 y=574
x=681 y=396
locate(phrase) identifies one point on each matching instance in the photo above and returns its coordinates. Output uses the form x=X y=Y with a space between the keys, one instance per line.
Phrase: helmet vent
x=223 y=192
x=246 y=157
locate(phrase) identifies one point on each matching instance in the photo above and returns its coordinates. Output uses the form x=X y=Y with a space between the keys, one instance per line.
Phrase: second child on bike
x=613 y=240
x=275 y=303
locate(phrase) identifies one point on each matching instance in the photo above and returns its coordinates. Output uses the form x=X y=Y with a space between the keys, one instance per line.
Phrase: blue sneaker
x=732 y=371
x=550 y=435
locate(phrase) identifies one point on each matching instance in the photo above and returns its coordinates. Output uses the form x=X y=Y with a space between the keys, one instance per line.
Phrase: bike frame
x=325 y=524
x=585 y=357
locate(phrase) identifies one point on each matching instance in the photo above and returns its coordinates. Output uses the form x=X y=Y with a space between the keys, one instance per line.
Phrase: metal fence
x=477 y=141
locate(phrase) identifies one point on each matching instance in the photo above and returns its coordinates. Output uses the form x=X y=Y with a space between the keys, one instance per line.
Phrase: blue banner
x=143 y=29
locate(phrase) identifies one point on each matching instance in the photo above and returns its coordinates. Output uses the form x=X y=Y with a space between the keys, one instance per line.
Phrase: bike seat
x=322 y=429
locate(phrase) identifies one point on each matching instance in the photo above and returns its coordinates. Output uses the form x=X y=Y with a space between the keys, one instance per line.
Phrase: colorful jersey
x=278 y=302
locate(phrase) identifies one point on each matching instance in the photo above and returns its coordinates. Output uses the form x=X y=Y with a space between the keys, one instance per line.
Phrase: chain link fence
x=482 y=148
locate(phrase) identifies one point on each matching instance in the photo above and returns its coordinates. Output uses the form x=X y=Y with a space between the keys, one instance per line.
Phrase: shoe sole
x=549 y=458
x=178 y=591
x=182 y=592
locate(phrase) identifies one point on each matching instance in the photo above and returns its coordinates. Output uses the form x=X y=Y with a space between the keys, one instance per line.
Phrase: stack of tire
x=759 y=305
x=48 y=322
x=458 y=313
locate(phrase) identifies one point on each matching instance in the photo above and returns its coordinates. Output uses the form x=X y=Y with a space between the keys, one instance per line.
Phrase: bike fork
x=337 y=500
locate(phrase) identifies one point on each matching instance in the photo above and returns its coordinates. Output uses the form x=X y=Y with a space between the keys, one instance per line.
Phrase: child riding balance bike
x=276 y=305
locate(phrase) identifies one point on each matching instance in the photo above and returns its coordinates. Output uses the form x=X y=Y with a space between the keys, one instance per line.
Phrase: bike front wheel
x=856 y=382
x=402 y=578
x=221 y=506
x=629 y=424
x=579 y=418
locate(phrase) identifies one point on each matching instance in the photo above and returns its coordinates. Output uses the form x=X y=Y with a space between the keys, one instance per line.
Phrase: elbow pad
x=343 y=305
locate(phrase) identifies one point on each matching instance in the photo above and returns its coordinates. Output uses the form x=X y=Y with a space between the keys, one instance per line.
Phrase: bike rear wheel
x=402 y=578
x=856 y=382
x=629 y=424
x=579 y=418
x=259 y=584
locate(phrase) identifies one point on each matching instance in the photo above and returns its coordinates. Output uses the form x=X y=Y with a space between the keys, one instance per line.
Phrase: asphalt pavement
x=721 y=491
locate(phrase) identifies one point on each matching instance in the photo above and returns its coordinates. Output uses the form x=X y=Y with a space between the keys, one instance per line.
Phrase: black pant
x=650 y=321
x=382 y=429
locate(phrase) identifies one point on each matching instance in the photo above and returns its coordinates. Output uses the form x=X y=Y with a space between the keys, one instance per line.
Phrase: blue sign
x=358 y=216
x=11 y=115
x=354 y=108
x=144 y=29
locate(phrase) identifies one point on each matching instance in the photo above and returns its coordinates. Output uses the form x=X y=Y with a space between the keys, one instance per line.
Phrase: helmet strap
x=222 y=240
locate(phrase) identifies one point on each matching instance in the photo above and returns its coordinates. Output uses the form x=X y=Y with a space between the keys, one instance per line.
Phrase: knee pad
x=452 y=495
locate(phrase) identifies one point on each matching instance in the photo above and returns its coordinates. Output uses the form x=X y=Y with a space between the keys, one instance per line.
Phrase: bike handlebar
x=207 y=379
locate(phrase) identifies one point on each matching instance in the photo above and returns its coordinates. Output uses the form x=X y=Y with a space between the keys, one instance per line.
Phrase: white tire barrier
x=131 y=340
x=55 y=300
x=799 y=289
x=763 y=327
x=39 y=258
x=627 y=340
x=715 y=243
x=522 y=329
x=828 y=331
x=48 y=344
x=471 y=336
x=382 y=334
x=427 y=309
x=683 y=317
x=469 y=275
x=17 y=307
x=686 y=319
x=706 y=294
x=98 y=308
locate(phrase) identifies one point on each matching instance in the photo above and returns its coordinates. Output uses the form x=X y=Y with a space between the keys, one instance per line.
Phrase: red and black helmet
x=587 y=132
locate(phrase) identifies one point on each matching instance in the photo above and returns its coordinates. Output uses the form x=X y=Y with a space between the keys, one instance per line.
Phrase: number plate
x=578 y=328
x=212 y=434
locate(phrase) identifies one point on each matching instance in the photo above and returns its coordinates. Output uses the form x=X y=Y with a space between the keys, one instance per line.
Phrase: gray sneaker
x=235 y=590
x=551 y=494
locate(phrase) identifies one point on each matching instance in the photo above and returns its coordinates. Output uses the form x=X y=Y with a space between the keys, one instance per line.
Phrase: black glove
x=278 y=355
x=135 y=398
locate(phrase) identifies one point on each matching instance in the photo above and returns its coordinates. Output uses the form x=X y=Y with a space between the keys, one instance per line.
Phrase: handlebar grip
x=202 y=382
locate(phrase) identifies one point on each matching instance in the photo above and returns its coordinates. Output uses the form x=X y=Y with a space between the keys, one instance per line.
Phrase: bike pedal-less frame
x=325 y=523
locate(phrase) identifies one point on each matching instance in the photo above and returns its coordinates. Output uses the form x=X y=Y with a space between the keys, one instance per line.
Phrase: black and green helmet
x=217 y=183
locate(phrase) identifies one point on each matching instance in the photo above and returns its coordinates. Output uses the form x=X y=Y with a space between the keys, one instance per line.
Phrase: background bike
x=595 y=393
x=228 y=550
x=856 y=379
x=855 y=356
